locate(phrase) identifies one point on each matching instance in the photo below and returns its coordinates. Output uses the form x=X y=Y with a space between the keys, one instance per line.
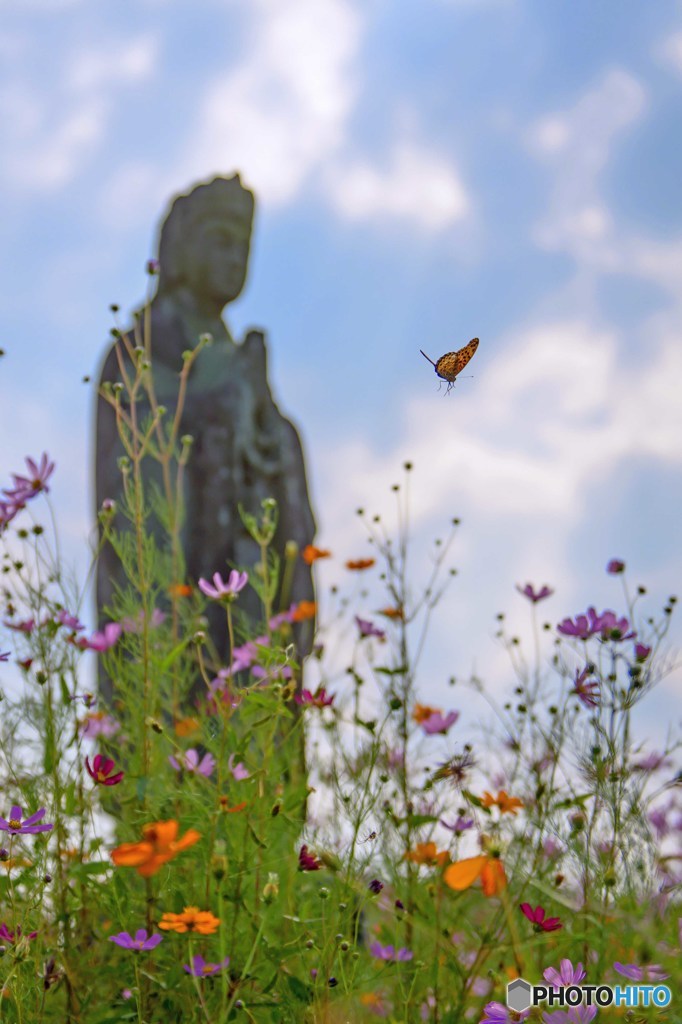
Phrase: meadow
x=270 y=841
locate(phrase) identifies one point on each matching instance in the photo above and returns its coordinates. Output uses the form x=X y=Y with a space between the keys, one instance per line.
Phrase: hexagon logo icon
x=518 y=995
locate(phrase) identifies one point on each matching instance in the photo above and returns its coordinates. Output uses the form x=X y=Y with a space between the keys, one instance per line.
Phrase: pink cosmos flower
x=98 y=723
x=652 y=972
x=615 y=566
x=390 y=953
x=586 y=692
x=29 y=826
x=239 y=772
x=642 y=652
x=537 y=918
x=139 y=943
x=189 y=762
x=574 y=1015
x=368 y=628
x=199 y=968
x=101 y=640
x=135 y=624
x=65 y=618
x=496 y=1013
x=607 y=625
x=535 y=595
x=224 y=591
x=101 y=770
x=437 y=724
x=281 y=617
x=26 y=487
x=27 y=626
x=652 y=762
x=566 y=975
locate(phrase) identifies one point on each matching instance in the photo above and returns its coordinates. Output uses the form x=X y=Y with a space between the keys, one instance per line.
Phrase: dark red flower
x=537 y=918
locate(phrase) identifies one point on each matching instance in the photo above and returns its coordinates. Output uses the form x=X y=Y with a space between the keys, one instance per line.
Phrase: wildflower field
x=270 y=841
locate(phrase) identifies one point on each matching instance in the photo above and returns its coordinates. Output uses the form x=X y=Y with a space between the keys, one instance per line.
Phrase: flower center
x=15 y=822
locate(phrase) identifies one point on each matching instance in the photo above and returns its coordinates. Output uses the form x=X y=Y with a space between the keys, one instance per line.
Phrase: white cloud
x=669 y=51
x=416 y=186
x=578 y=144
x=49 y=136
x=282 y=111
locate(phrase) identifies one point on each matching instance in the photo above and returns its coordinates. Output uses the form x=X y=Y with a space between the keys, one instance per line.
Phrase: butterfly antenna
x=426 y=357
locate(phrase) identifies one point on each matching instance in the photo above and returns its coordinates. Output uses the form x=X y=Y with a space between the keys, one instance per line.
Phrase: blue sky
x=425 y=173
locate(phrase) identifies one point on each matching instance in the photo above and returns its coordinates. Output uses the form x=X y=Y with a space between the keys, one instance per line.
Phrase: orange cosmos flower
x=304 y=610
x=187 y=726
x=225 y=805
x=392 y=613
x=422 y=712
x=311 y=554
x=464 y=873
x=358 y=564
x=190 y=920
x=507 y=804
x=180 y=590
x=427 y=853
x=160 y=844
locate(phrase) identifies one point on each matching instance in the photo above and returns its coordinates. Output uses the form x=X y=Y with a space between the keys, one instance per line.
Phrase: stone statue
x=244 y=449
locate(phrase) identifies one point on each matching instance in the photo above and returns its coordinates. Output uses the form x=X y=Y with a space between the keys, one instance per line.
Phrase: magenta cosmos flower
x=438 y=724
x=615 y=566
x=390 y=952
x=536 y=915
x=29 y=826
x=65 y=618
x=200 y=969
x=319 y=699
x=8 y=936
x=102 y=770
x=137 y=944
x=222 y=591
x=535 y=595
x=307 y=861
x=189 y=762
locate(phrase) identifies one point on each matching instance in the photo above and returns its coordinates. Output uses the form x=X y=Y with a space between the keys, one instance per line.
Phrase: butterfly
x=452 y=363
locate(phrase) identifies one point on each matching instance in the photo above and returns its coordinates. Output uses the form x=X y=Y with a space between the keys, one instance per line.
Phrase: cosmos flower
x=26 y=487
x=319 y=699
x=159 y=844
x=390 y=953
x=29 y=826
x=496 y=1013
x=536 y=915
x=368 y=628
x=463 y=873
x=203 y=922
x=98 y=723
x=567 y=974
x=239 y=772
x=535 y=595
x=427 y=853
x=312 y=554
x=651 y=972
x=360 y=564
x=101 y=770
x=139 y=943
x=101 y=640
x=507 y=804
x=221 y=590
x=586 y=692
x=199 y=968
x=189 y=762
x=615 y=566
x=307 y=861
x=438 y=724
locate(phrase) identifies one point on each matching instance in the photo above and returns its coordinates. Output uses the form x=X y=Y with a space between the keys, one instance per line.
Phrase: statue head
x=204 y=242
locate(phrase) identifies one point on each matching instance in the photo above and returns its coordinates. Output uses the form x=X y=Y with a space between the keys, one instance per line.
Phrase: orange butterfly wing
x=452 y=363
